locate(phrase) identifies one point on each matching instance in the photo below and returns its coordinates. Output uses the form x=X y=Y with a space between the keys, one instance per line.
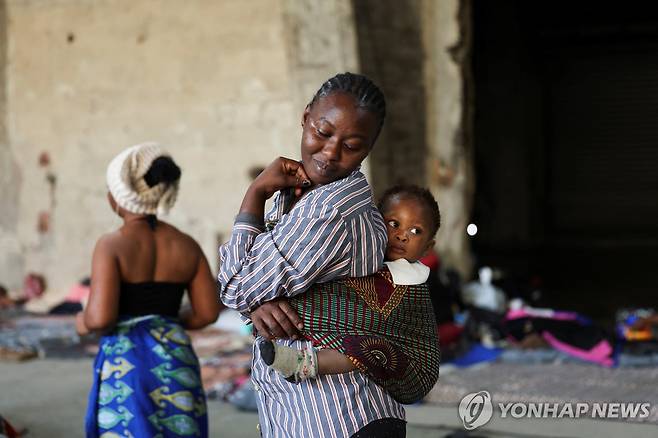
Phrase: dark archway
x=565 y=148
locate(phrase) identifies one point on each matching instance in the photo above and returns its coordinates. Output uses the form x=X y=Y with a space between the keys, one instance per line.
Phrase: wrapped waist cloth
x=146 y=382
x=388 y=331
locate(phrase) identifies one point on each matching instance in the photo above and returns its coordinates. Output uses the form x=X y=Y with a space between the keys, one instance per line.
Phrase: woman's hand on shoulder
x=282 y=173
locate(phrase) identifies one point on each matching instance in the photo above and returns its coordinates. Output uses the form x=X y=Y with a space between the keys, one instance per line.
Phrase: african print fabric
x=146 y=383
x=388 y=331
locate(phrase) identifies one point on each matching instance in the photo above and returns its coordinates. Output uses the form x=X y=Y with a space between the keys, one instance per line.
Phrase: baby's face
x=408 y=227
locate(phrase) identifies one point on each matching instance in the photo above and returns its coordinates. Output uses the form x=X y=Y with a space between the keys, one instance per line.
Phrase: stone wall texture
x=218 y=83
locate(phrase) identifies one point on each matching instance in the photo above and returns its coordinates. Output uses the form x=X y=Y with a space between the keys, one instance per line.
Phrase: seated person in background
x=74 y=300
x=5 y=301
x=382 y=324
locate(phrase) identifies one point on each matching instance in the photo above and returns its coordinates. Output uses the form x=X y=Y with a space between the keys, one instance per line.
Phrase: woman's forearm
x=191 y=321
x=253 y=202
x=80 y=326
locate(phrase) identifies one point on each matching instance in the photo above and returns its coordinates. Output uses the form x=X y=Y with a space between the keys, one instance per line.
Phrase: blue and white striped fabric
x=332 y=232
x=334 y=405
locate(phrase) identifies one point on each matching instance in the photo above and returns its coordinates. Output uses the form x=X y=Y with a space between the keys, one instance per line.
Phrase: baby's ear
x=429 y=246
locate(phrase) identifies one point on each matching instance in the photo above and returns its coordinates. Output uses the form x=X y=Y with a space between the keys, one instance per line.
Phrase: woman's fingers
x=302 y=176
x=260 y=327
x=285 y=323
x=263 y=321
x=268 y=327
x=301 y=180
x=291 y=314
x=272 y=320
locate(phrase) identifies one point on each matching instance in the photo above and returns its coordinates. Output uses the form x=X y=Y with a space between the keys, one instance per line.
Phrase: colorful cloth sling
x=387 y=331
x=146 y=383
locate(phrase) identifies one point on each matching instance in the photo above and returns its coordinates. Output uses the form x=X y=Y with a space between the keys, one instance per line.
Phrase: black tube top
x=151 y=298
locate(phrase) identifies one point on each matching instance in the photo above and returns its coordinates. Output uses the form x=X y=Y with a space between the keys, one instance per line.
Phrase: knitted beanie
x=125 y=180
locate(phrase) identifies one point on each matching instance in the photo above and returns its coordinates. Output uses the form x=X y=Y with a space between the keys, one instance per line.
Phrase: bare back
x=137 y=254
x=161 y=255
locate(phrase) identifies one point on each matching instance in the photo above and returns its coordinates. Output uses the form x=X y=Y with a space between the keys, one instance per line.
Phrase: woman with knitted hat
x=146 y=375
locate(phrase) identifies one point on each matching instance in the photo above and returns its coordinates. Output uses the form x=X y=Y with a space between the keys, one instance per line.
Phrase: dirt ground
x=48 y=397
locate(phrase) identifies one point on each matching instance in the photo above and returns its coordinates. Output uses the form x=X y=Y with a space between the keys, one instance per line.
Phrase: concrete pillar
x=320 y=42
x=449 y=106
x=391 y=53
x=11 y=258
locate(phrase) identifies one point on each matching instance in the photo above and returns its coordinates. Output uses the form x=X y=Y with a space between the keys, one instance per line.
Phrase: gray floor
x=49 y=398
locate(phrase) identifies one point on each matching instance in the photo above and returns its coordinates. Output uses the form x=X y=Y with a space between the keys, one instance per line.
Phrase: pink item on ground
x=540 y=313
x=77 y=294
x=600 y=353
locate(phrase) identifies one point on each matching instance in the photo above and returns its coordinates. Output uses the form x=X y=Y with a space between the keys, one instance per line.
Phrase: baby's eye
x=393 y=224
x=415 y=231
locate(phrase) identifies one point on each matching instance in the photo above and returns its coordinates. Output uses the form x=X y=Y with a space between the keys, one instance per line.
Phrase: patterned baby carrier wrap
x=388 y=331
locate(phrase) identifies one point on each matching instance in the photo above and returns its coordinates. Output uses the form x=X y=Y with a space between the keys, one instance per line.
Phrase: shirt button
x=258 y=427
x=256 y=387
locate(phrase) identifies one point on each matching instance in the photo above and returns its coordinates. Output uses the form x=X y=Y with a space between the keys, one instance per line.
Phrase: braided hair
x=420 y=194
x=366 y=93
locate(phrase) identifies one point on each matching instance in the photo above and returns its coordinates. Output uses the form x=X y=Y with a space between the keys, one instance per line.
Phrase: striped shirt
x=332 y=232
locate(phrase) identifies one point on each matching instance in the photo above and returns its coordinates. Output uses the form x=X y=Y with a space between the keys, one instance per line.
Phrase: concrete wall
x=222 y=85
x=218 y=83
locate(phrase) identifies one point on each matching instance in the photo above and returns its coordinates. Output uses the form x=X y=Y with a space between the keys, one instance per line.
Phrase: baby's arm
x=333 y=362
x=296 y=365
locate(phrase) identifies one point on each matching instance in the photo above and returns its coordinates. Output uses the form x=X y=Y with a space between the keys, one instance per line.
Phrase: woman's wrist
x=254 y=201
x=80 y=326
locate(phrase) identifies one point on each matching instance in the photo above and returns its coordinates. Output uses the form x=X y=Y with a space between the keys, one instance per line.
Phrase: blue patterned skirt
x=146 y=383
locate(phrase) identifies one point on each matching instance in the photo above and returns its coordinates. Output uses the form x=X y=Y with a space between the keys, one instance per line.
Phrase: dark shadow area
x=566 y=144
x=391 y=54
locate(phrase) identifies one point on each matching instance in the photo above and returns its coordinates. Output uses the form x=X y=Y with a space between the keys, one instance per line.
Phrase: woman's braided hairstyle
x=366 y=93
